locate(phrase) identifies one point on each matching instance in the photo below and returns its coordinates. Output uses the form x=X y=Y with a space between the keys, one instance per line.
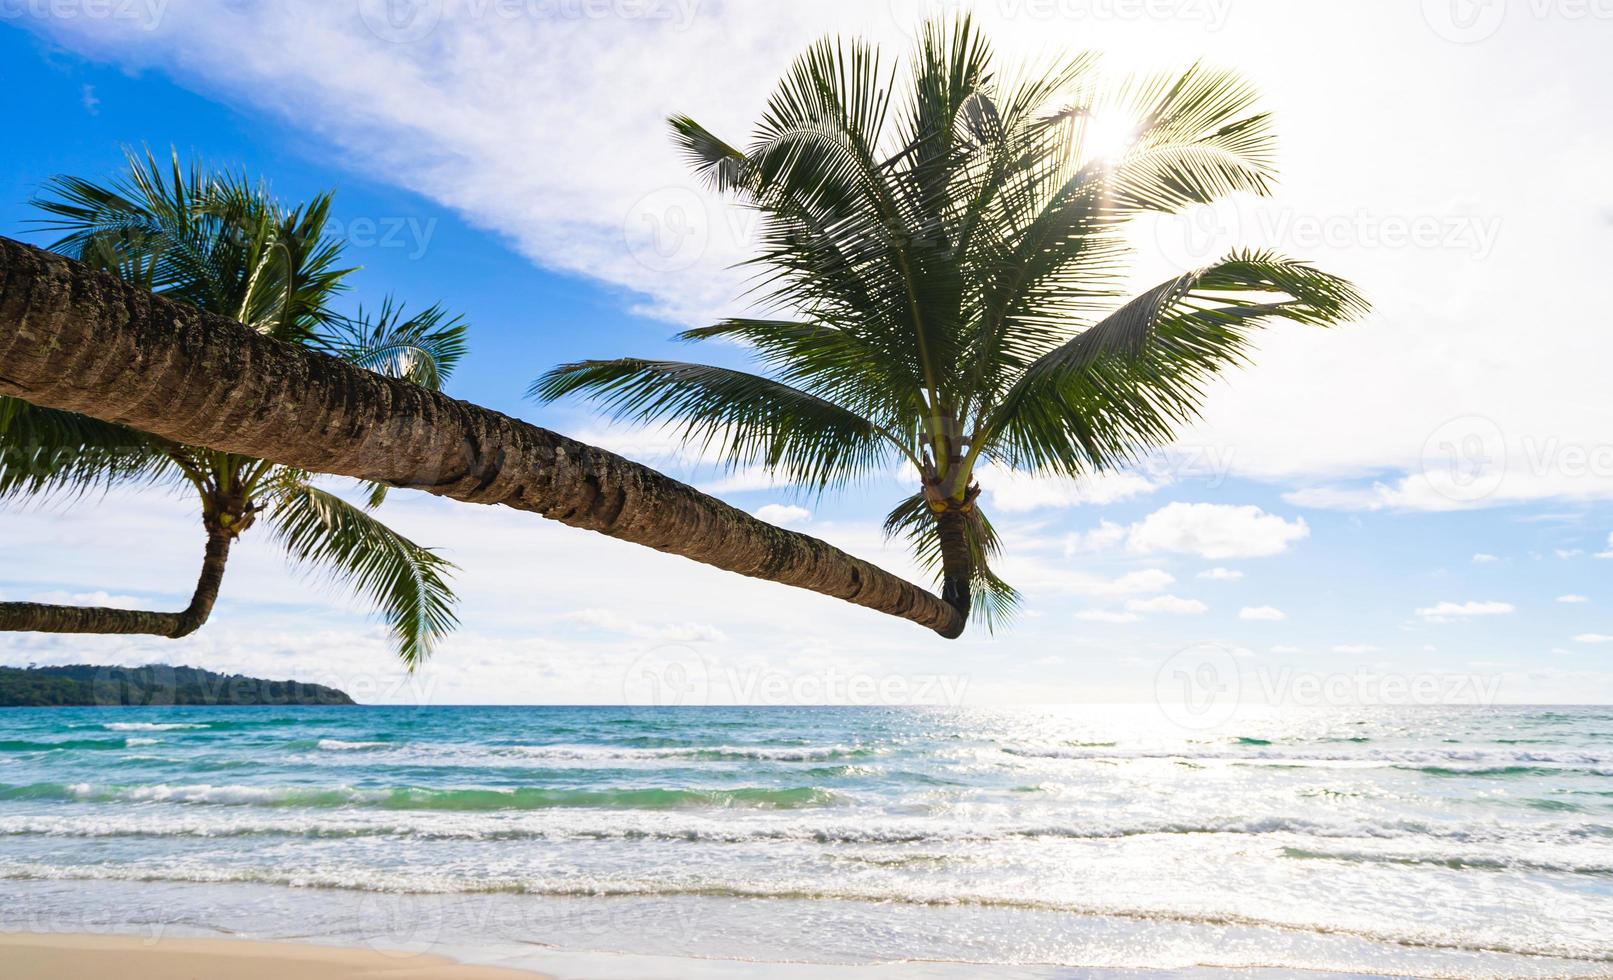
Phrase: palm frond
x=1125 y=385
x=744 y=417
x=835 y=363
x=45 y=453
x=423 y=348
x=725 y=168
x=409 y=583
x=212 y=239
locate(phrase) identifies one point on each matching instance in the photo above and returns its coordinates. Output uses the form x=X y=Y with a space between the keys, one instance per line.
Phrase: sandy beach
x=42 y=956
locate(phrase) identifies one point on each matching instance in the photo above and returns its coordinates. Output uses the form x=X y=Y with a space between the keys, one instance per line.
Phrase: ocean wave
x=1506 y=771
x=77 y=744
x=1456 y=762
x=419 y=798
x=936 y=894
x=718 y=753
x=577 y=755
x=155 y=726
x=818 y=826
x=1455 y=862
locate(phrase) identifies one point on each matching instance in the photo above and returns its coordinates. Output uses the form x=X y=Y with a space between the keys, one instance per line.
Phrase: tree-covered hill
x=154 y=684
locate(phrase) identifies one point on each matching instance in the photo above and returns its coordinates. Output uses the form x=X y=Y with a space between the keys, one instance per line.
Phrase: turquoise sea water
x=1425 y=841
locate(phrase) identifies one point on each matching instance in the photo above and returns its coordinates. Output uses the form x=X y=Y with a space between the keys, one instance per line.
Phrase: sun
x=1106 y=137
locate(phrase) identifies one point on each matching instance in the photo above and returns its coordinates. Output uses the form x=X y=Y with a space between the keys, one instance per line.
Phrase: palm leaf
x=423 y=348
x=1124 y=385
x=320 y=530
x=45 y=452
x=744 y=417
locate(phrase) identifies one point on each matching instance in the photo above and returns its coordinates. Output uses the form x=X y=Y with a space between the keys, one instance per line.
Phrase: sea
x=1019 y=842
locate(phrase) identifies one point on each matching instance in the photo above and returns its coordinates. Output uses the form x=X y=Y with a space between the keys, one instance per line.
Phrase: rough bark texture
x=957 y=564
x=41 y=618
x=82 y=341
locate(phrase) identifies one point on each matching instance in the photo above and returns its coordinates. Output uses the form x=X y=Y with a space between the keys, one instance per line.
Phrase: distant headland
x=87 y=685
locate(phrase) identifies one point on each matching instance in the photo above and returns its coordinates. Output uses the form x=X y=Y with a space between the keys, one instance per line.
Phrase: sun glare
x=1107 y=136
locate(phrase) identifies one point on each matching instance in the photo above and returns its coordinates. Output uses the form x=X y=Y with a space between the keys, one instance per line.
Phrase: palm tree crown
x=950 y=254
x=225 y=245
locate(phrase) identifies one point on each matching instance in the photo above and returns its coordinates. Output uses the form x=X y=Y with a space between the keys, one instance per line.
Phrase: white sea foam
x=153 y=726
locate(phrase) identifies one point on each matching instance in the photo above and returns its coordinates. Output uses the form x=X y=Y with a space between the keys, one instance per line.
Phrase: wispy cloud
x=1445 y=611
x=1169 y=604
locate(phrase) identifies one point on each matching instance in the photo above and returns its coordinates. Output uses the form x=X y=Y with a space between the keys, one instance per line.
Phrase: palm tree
x=225 y=245
x=949 y=260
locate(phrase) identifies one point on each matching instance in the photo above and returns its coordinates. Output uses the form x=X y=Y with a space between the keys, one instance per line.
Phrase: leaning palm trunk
x=81 y=341
x=44 y=618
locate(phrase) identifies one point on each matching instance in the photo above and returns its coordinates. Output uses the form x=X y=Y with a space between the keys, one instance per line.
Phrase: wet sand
x=63 y=956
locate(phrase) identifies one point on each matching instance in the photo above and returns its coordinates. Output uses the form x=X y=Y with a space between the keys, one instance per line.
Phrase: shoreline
x=388 y=937
x=72 y=956
x=94 y=956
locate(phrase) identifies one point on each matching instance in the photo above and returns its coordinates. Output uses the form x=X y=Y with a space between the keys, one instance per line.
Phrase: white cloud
x=1609 y=552
x=1481 y=558
x=1355 y=648
x=60 y=597
x=1106 y=535
x=1106 y=616
x=1265 y=613
x=1215 y=531
x=1284 y=648
x=611 y=621
x=1445 y=611
x=1413 y=492
x=1036 y=576
x=741 y=480
x=1220 y=574
x=1436 y=488
x=1012 y=492
x=1168 y=604
x=1567 y=553
x=784 y=515
x=1572 y=598
x=1593 y=638
x=1147 y=580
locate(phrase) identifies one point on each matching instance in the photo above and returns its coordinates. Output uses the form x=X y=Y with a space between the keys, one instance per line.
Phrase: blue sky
x=1410 y=497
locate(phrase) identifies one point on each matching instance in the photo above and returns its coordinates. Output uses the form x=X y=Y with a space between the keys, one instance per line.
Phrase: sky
x=1415 y=507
